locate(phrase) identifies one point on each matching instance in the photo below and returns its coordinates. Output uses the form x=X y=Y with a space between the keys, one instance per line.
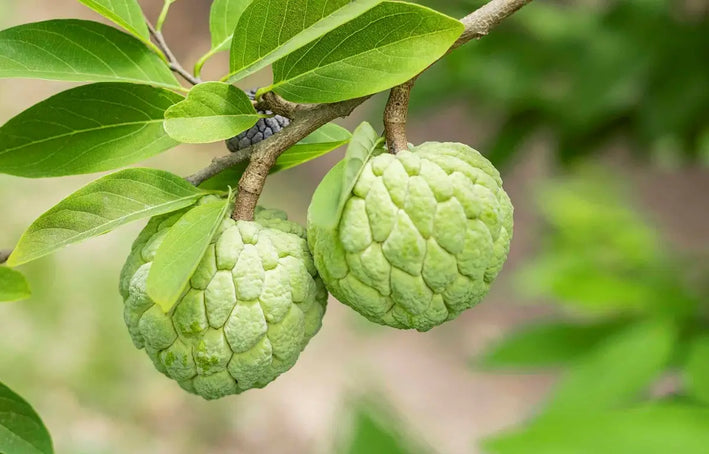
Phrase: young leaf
x=319 y=143
x=696 y=370
x=87 y=129
x=549 y=344
x=384 y=47
x=81 y=51
x=324 y=210
x=366 y=143
x=223 y=17
x=13 y=285
x=617 y=371
x=213 y=111
x=21 y=429
x=102 y=206
x=271 y=29
x=332 y=193
x=126 y=13
x=182 y=249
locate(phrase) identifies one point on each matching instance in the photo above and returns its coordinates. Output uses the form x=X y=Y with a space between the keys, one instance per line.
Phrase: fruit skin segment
x=422 y=236
x=252 y=306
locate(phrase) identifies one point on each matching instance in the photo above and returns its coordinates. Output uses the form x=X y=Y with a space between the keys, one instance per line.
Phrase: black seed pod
x=264 y=128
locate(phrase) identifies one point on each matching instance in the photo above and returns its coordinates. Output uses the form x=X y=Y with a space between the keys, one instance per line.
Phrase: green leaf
x=87 y=129
x=271 y=29
x=651 y=429
x=13 y=285
x=181 y=251
x=371 y=437
x=213 y=111
x=126 y=13
x=365 y=143
x=384 y=47
x=81 y=51
x=319 y=143
x=21 y=429
x=549 y=344
x=102 y=206
x=325 y=204
x=224 y=16
x=617 y=371
x=331 y=194
x=696 y=370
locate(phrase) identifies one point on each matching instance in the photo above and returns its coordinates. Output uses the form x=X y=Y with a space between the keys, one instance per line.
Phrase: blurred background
x=596 y=113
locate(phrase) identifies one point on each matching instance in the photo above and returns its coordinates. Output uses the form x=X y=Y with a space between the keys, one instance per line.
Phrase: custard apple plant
x=223 y=295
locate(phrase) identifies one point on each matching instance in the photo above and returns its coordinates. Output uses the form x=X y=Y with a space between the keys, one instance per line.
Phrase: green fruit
x=251 y=307
x=422 y=236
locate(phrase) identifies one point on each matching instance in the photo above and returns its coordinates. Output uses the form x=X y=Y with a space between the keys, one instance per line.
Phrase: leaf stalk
x=172 y=61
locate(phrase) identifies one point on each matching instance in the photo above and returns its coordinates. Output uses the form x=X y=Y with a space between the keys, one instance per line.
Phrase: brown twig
x=4 y=255
x=305 y=121
x=175 y=65
x=396 y=114
x=490 y=15
x=477 y=24
x=308 y=118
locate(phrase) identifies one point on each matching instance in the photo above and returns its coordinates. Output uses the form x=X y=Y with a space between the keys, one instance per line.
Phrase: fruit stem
x=396 y=114
x=305 y=119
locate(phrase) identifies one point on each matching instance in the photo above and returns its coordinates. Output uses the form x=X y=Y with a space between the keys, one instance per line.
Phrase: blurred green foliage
x=633 y=337
x=647 y=429
x=372 y=436
x=586 y=72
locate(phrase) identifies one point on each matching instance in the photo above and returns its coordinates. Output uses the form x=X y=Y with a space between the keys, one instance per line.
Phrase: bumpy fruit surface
x=253 y=304
x=422 y=236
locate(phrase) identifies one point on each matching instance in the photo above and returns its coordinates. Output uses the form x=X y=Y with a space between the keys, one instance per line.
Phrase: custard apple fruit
x=252 y=305
x=422 y=236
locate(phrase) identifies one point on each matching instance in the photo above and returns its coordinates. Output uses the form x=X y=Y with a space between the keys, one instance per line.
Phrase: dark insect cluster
x=265 y=128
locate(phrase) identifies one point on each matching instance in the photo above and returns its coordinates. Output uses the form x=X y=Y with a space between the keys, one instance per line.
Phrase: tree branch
x=306 y=118
x=175 y=65
x=4 y=255
x=477 y=24
x=481 y=21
